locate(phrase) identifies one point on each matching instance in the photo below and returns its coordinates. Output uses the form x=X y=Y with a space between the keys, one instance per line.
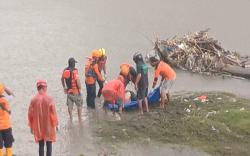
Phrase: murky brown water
x=37 y=37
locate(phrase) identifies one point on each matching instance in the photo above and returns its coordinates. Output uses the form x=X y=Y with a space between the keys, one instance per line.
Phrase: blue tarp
x=153 y=98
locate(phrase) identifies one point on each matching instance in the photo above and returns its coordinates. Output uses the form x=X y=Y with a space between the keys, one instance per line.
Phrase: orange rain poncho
x=42 y=117
x=113 y=90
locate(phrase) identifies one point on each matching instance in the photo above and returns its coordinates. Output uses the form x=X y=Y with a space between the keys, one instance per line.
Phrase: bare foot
x=140 y=113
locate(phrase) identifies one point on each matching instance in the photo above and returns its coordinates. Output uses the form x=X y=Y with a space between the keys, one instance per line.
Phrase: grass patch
x=219 y=126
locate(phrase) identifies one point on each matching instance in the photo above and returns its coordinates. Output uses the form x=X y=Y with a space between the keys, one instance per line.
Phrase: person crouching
x=43 y=119
x=114 y=93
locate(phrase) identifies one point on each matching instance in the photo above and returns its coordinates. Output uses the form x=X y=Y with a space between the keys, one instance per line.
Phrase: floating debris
x=199 y=53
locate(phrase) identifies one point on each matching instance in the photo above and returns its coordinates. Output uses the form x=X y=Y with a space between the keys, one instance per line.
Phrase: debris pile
x=199 y=53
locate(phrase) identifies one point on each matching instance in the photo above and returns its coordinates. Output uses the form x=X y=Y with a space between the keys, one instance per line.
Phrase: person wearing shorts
x=74 y=99
x=72 y=87
x=141 y=83
x=166 y=86
x=168 y=76
x=6 y=137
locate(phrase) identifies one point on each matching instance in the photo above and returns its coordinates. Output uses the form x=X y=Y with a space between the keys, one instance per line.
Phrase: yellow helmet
x=103 y=51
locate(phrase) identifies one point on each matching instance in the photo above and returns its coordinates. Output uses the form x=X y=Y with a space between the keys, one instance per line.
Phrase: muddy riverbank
x=219 y=125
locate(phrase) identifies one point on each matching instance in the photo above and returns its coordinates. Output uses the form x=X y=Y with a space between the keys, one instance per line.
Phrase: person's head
x=96 y=54
x=41 y=85
x=2 y=88
x=138 y=57
x=72 y=62
x=124 y=69
x=154 y=60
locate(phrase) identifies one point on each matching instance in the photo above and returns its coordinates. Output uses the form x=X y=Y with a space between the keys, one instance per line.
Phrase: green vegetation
x=220 y=126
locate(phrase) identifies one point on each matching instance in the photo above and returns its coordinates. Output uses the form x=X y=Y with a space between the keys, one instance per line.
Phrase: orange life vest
x=71 y=77
x=92 y=72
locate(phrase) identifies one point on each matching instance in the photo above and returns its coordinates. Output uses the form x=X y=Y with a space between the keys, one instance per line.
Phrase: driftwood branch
x=197 y=52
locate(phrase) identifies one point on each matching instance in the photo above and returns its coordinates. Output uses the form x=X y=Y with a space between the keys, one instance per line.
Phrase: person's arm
x=99 y=75
x=138 y=78
x=155 y=82
x=138 y=75
x=157 y=74
x=78 y=83
x=30 y=116
x=121 y=93
x=62 y=81
x=104 y=66
x=63 y=84
x=8 y=91
x=53 y=115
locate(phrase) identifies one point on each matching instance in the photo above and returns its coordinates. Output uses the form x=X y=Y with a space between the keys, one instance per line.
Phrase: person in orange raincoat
x=42 y=118
x=114 y=93
x=168 y=76
x=6 y=137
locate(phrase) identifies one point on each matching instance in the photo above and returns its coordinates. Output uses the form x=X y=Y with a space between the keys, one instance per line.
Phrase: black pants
x=6 y=138
x=100 y=83
x=41 y=148
x=91 y=95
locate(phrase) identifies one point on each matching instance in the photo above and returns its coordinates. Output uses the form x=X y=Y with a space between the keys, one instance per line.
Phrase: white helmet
x=152 y=57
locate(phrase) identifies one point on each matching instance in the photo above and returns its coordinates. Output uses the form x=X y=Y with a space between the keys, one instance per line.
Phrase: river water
x=37 y=38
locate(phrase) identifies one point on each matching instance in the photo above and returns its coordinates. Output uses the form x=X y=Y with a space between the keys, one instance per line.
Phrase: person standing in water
x=92 y=74
x=42 y=118
x=72 y=87
x=102 y=67
x=6 y=137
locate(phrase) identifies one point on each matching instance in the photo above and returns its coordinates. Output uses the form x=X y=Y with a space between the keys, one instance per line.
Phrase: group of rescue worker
x=42 y=115
x=113 y=91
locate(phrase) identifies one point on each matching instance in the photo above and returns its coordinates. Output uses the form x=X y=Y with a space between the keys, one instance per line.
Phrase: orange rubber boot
x=8 y=151
x=1 y=152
